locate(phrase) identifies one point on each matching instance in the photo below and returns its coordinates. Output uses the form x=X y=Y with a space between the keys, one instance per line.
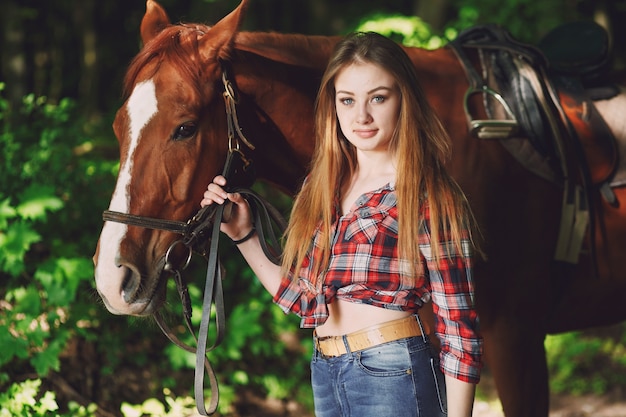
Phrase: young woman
x=378 y=229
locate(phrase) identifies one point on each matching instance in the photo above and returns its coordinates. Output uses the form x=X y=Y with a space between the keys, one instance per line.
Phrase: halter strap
x=147 y=222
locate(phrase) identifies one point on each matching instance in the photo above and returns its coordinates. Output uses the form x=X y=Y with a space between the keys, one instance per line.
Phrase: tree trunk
x=88 y=86
x=12 y=56
x=433 y=12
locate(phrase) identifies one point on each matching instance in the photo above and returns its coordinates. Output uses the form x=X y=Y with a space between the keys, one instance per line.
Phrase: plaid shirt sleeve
x=297 y=295
x=456 y=321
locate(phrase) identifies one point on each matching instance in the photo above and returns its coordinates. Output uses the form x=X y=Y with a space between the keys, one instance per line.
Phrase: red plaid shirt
x=364 y=267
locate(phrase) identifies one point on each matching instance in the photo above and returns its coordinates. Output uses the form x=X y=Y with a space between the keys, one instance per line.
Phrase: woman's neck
x=366 y=179
x=372 y=165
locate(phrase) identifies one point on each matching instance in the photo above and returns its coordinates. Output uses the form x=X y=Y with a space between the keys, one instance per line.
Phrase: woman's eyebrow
x=373 y=90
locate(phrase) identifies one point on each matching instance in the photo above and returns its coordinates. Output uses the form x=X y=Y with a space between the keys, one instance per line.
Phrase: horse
x=173 y=138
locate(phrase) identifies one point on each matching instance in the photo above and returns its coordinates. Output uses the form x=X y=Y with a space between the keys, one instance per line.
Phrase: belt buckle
x=331 y=343
x=318 y=345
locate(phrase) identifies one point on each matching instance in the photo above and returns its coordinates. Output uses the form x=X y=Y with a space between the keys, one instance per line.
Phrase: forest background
x=61 y=353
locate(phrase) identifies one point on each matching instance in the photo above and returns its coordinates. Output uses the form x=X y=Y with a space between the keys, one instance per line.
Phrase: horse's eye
x=185 y=131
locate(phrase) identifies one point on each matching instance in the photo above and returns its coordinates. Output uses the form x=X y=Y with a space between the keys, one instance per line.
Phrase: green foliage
x=24 y=400
x=17 y=225
x=32 y=317
x=28 y=316
x=527 y=20
x=173 y=407
x=407 y=30
x=512 y=15
x=45 y=260
x=590 y=362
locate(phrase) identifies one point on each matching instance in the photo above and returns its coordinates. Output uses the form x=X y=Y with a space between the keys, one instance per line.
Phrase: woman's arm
x=266 y=271
x=460 y=397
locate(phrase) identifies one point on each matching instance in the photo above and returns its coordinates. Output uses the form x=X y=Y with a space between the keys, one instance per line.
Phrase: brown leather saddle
x=539 y=104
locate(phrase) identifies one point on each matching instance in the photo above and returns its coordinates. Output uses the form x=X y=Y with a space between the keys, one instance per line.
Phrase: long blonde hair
x=421 y=145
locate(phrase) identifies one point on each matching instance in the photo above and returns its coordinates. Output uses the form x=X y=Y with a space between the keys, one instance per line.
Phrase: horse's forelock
x=177 y=44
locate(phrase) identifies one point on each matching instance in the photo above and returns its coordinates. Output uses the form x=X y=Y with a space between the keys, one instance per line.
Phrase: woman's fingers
x=219 y=180
x=214 y=192
x=236 y=214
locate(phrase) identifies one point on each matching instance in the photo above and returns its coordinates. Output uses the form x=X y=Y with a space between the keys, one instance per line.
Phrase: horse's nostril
x=130 y=285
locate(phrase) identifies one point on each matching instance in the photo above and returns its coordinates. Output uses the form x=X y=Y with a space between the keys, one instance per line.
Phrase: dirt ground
x=564 y=406
x=561 y=405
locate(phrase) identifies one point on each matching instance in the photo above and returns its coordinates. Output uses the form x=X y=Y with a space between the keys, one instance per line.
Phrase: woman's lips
x=365 y=133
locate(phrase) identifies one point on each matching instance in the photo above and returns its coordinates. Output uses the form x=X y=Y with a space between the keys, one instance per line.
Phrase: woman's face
x=367 y=100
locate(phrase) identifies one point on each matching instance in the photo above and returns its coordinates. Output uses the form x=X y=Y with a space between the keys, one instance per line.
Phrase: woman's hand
x=237 y=221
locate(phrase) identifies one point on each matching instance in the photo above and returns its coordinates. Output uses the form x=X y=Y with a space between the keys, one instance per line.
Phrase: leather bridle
x=202 y=228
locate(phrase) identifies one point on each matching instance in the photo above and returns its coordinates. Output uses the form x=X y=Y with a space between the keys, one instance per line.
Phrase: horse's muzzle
x=127 y=292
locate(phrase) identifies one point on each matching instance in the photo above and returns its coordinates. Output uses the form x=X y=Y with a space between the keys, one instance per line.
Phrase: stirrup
x=490 y=128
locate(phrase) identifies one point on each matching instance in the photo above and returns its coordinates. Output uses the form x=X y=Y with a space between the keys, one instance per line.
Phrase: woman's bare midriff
x=347 y=317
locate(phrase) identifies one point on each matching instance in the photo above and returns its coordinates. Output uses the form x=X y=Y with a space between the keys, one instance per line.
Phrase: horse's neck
x=291 y=49
x=277 y=111
x=280 y=100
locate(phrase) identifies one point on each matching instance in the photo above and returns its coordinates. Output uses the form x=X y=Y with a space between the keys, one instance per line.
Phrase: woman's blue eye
x=378 y=99
x=346 y=101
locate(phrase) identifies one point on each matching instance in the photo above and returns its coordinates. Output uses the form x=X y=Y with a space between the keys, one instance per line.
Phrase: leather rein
x=203 y=228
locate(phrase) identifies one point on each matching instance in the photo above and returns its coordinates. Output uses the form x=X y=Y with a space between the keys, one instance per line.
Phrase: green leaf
x=48 y=402
x=6 y=212
x=27 y=301
x=61 y=277
x=36 y=200
x=48 y=359
x=14 y=244
x=12 y=347
x=25 y=393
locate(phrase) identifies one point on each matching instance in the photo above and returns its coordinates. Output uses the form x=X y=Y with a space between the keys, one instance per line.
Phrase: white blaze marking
x=141 y=107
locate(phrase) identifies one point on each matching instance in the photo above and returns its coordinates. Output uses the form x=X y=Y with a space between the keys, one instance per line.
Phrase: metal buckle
x=490 y=129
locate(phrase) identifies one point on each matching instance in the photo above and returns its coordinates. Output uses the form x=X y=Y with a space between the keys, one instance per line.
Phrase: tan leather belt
x=378 y=334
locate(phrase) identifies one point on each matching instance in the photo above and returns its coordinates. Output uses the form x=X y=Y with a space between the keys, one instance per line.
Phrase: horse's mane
x=178 y=44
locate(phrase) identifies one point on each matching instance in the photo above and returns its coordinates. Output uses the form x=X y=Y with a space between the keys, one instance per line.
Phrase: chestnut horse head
x=171 y=133
x=173 y=139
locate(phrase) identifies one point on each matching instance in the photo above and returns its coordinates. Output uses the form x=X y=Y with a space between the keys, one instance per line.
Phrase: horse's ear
x=218 y=45
x=154 y=21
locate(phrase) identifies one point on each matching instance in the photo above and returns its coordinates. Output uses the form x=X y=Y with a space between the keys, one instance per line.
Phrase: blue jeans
x=396 y=379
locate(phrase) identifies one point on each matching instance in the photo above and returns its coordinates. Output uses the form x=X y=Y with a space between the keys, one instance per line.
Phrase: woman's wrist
x=246 y=237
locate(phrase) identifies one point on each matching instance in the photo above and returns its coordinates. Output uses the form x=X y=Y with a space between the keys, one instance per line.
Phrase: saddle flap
x=596 y=143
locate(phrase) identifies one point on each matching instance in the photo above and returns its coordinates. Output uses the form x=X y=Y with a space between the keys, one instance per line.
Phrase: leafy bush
x=42 y=266
x=515 y=16
x=45 y=261
x=24 y=400
x=407 y=30
x=587 y=362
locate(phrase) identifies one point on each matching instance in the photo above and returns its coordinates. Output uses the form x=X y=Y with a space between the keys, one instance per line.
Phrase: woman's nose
x=363 y=116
